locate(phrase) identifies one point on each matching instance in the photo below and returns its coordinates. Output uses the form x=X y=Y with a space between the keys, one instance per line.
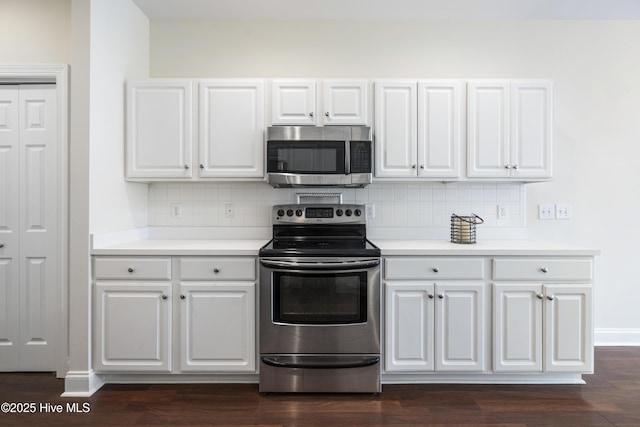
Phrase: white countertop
x=487 y=247
x=247 y=247
x=178 y=247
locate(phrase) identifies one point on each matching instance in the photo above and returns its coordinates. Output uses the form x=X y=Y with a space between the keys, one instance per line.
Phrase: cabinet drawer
x=434 y=268
x=542 y=269
x=132 y=268
x=218 y=268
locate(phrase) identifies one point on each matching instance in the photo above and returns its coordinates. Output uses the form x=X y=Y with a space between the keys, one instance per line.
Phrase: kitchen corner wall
x=407 y=210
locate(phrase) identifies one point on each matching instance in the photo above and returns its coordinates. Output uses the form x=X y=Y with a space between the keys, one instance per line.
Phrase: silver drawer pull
x=539 y=296
x=544 y=269
x=1 y=245
x=131 y=269
x=182 y=297
x=435 y=269
x=216 y=270
x=164 y=297
x=430 y=296
x=441 y=296
x=549 y=297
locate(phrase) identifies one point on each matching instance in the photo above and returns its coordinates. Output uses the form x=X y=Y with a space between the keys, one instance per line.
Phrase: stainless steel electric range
x=319 y=302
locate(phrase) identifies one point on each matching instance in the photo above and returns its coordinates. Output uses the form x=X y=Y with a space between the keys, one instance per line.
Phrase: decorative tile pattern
x=417 y=205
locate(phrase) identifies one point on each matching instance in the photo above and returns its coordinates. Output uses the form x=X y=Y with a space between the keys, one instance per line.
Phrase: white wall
x=119 y=50
x=35 y=31
x=594 y=65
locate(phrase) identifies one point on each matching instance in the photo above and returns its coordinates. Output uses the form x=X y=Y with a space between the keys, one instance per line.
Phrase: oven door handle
x=321 y=362
x=322 y=265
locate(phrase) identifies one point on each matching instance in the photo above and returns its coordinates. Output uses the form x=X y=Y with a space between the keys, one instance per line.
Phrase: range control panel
x=319 y=214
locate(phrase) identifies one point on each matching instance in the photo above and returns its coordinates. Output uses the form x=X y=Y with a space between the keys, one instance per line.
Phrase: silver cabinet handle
x=201 y=166
x=326 y=114
x=441 y=296
x=311 y=114
x=550 y=298
x=1 y=245
x=507 y=166
x=216 y=270
x=435 y=269
x=182 y=297
x=413 y=166
x=164 y=297
x=186 y=167
x=430 y=296
x=421 y=166
x=131 y=269
x=515 y=166
x=539 y=296
x=544 y=269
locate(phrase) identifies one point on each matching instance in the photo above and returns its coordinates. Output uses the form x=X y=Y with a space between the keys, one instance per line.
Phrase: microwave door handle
x=347 y=157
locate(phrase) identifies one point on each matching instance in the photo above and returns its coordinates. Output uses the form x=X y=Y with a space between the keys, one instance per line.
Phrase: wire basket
x=463 y=228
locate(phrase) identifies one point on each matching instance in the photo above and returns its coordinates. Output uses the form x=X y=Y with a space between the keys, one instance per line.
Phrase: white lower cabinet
x=459 y=318
x=542 y=328
x=434 y=326
x=203 y=321
x=132 y=330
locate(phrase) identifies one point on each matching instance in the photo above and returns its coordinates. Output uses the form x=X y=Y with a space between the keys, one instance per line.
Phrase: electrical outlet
x=229 y=210
x=545 y=211
x=503 y=212
x=563 y=211
x=176 y=210
x=370 y=210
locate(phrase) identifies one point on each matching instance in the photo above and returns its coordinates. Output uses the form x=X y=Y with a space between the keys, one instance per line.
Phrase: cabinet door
x=488 y=129
x=517 y=328
x=217 y=326
x=531 y=124
x=439 y=128
x=569 y=328
x=293 y=102
x=409 y=336
x=460 y=314
x=346 y=102
x=396 y=128
x=132 y=326
x=231 y=118
x=159 y=128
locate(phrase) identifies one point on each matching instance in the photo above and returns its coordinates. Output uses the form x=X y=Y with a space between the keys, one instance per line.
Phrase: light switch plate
x=563 y=211
x=545 y=211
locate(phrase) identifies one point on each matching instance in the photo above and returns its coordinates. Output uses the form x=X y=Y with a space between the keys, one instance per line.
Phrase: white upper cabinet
x=396 y=128
x=418 y=128
x=293 y=102
x=231 y=117
x=297 y=102
x=509 y=129
x=346 y=102
x=159 y=128
x=162 y=129
x=439 y=128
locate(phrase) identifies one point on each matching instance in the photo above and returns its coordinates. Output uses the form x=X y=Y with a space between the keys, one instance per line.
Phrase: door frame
x=58 y=74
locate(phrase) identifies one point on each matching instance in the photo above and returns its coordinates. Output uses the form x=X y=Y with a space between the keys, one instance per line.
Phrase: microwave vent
x=335 y=198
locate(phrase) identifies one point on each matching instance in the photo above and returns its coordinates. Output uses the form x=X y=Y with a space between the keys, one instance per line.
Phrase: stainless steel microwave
x=308 y=156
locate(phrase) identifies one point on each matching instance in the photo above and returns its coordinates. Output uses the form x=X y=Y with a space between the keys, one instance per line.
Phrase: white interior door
x=29 y=227
x=9 y=229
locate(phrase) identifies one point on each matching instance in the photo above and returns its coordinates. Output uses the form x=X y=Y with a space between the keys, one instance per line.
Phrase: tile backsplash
x=414 y=207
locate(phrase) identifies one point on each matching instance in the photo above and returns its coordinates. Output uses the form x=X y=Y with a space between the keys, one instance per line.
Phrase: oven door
x=319 y=306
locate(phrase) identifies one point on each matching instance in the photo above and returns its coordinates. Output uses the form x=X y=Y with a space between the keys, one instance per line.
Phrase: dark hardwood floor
x=611 y=397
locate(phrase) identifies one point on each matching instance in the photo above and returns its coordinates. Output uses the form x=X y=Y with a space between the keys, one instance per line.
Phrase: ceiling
x=391 y=9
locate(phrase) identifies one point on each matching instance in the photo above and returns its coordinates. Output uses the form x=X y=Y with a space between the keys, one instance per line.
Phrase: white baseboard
x=81 y=384
x=617 y=337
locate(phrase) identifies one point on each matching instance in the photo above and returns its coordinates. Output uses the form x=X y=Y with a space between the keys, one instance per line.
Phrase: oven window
x=305 y=157
x=315 y=299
